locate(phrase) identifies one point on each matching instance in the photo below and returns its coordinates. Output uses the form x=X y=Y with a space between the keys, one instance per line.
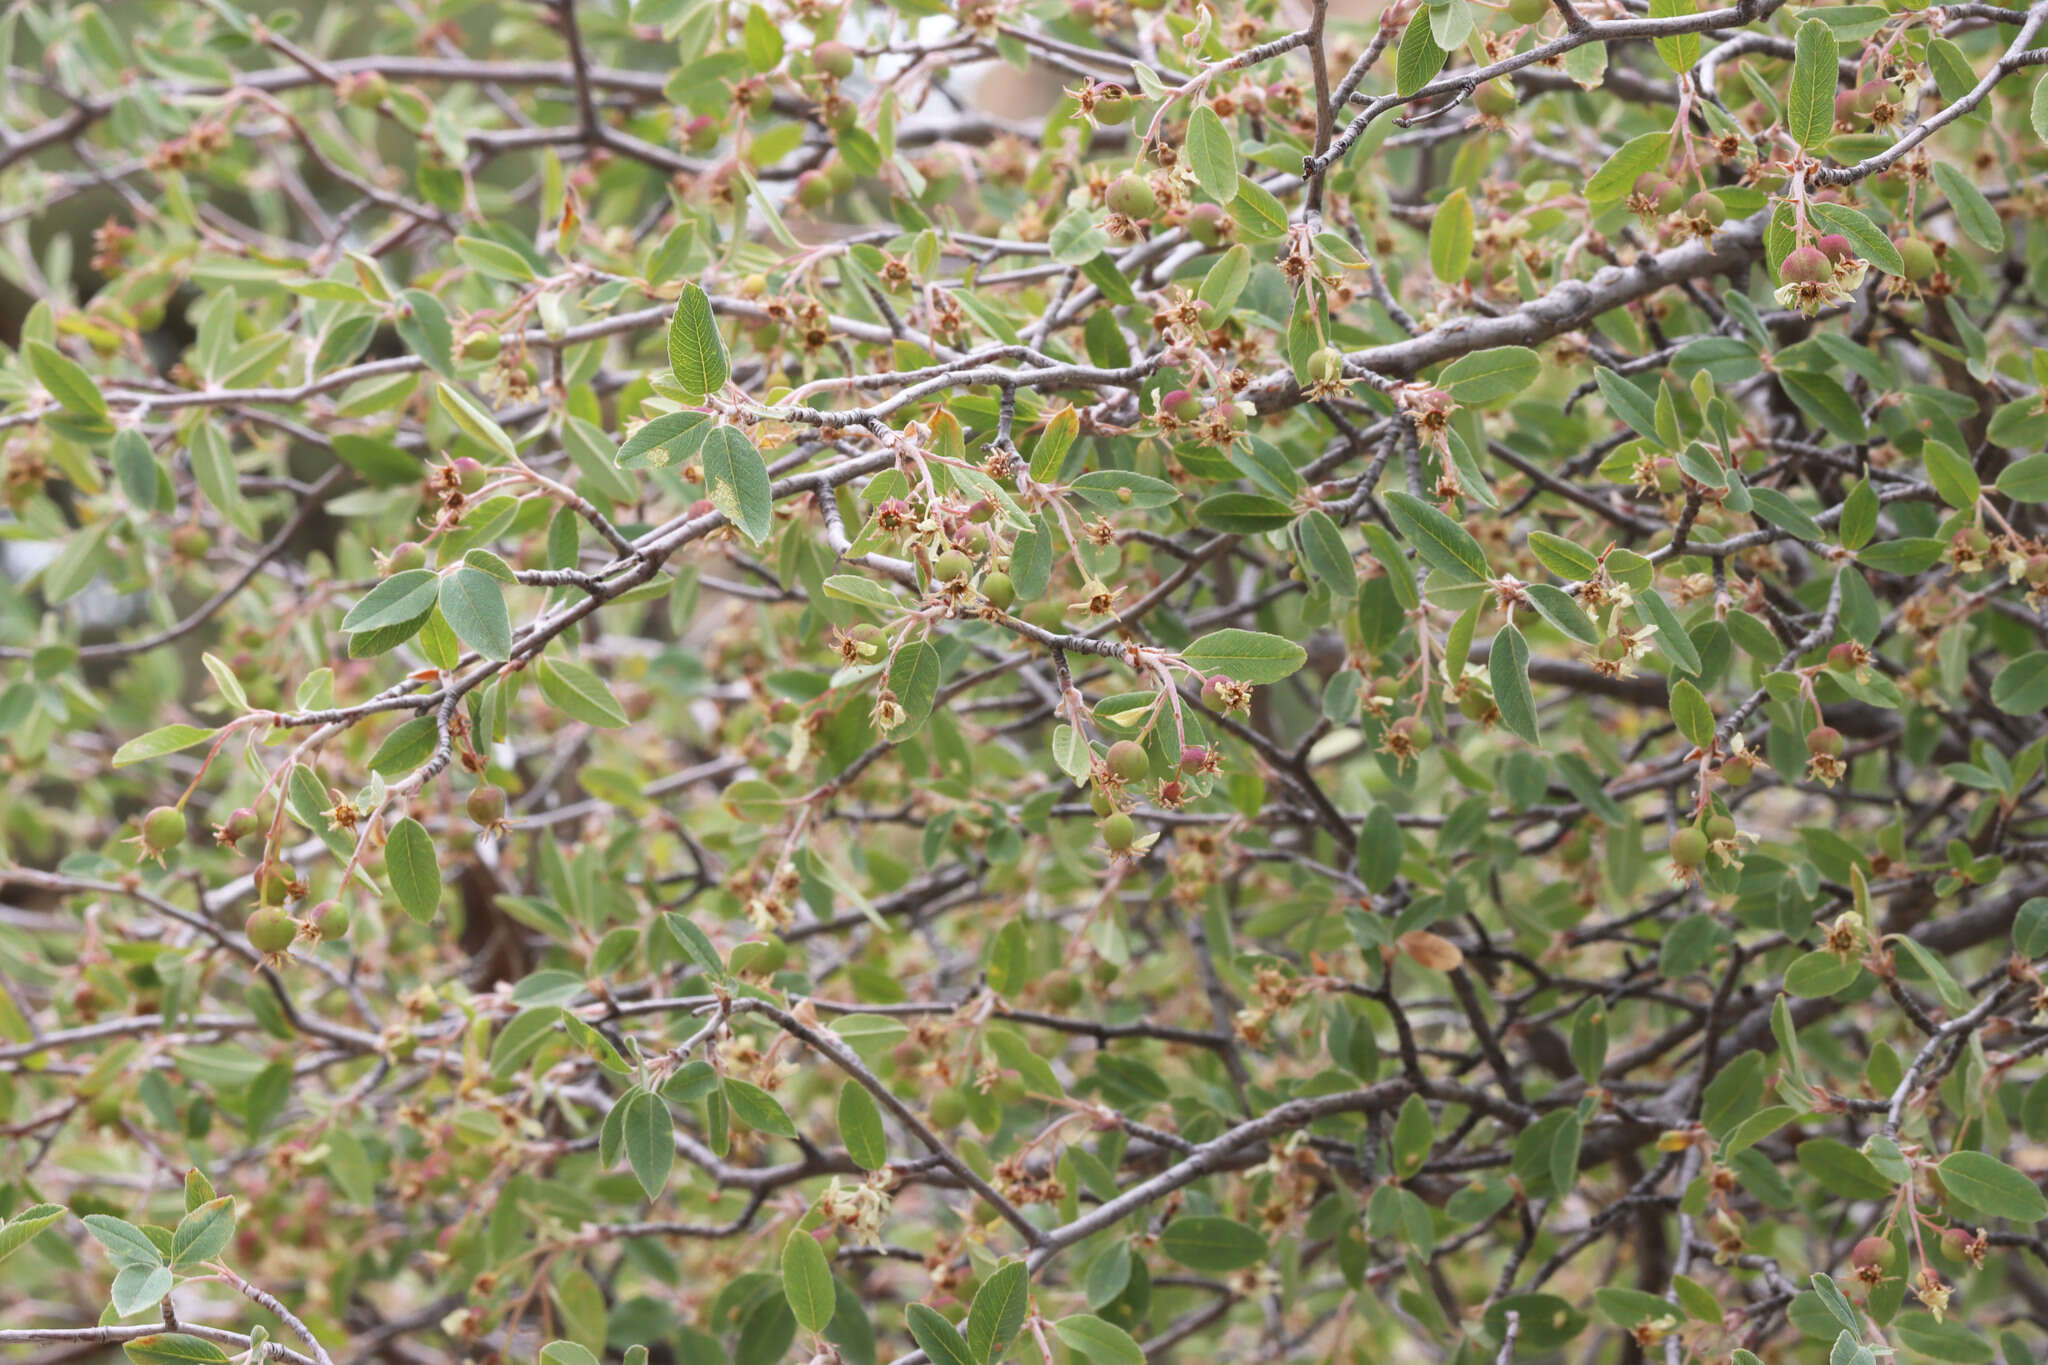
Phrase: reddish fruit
x=1842 y=658
x=239 y=825
x=700 y=134
x=1418 y=732
x=1208 y=224
x=835 y=59
x=1836 y=248
x=1128 y=760
x=1874 y=1253
x=1213 y=695
x=1825 y=739
x=1193 y=757
x=486 y=805
x=1806 y=265
x=1182 y=405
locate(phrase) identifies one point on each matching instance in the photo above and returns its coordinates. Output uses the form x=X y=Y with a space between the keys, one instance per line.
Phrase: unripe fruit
x=700 y=134
x=1208 y=224
x=275 y=885
x=239 y=825
x=1836 y=248
x=1527 y=11
x=1473 y=704
x=1495 y=99
x=1008 y=1089
x=406 y=556
x=1193 y=757
x=1806 y=265
x=483 y=345
x=1918 y=257
x=368 y=90
x=1099 y=802
x=947 y=1109
x=2037 y=570
x=1113 y=104
x=813 y=190
x=1956 y=1242
x=1613 y=649
x=1689 y=848
x=163 y=829
x=1874 y=1253
x=1182 y=405
x=1825 y=739
x=1707 y=206
x=835 y=59
x=1845 y=107
x=270 y=930
x=1131 y=195
x=329 y=921
x=1670 y=197
x=1720 y=828
x=1646 y=185
x=1326 y=366
x=1669 y=477
x=1119 y=832
x=1736 y=772
x=1213 y=697
x=1129 y=761
x=999 y=590
x=838 y=173
x=1842 y=658
x=191 y=542
x=1418 y=733
x=1575 y=848
x=486 y=805
x=951 y=565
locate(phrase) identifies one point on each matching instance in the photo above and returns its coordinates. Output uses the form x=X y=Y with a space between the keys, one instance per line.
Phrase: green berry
x=1495 y=99
x=947 y=1109
x=1825 y=739
x=1918 y=257
x=486 y=805
x=1707 y=206
x=999 y=590
x=951 y=565
x=329 y=921
x=1527 y=11
x=835 y=59
x=1736 y=772
x=1689 y=847
x=1113 y=104
x=1130 y=194
x=270 y=930
x=1326 y=366
x=1119 y=832
x=1208 y=224
x=163 y=829
x=1128 y=760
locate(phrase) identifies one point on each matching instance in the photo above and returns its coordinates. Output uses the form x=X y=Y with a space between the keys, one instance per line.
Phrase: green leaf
x=381 y=463
x=1633 y=159
x=696 y=352
x=1507 y=668
x=2037 y=111
x=736 y=481
x=18 y=1231
x=167 y=739
x=860 y=1127
x=1993 y=1188
x=1810 y=105
x=1488 y=376
x=647 y=1134
x=475 y=420
x=939 y=1339
x=1451 y=235
x=2025 y=480
x=1212 y=152
x=757 y=1108
x=203 y=1233
x=125 y=1242
x=1627 y=402
x=998 y=1310
x=65 y=379
x=494 y=260
x=136 y=469
x=173 y=1348
x=136 y=1287
x=2030 y=928
x=1326 y=555
x=1246 y=514
x=1870 y=244
x=1102 y=1342
x=1947 y=1341
x=1248 y=656
x=1974 y=213
x=2021 y=687
x=1841 y=1170
x=1418 y=59
x=414 y=871
x=671 y=438
x=403 y=598
x=1441 y=543
x=1690 y=710
x=1259 y=216
x=473 y=604
x=579 y=693
x=1204 y=1242
x=806 y=1280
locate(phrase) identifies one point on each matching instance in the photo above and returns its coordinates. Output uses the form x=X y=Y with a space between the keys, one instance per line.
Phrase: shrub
x=1371 y=689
